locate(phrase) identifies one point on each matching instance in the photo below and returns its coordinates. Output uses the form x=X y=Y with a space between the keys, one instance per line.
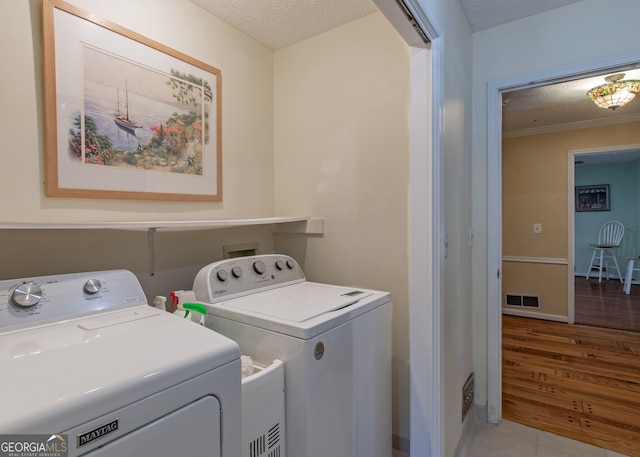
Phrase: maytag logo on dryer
x=98 y=432
x=219 y=291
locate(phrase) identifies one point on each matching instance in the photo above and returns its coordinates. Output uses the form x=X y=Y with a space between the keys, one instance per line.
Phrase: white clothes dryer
x=335 y=343
x=85 y=359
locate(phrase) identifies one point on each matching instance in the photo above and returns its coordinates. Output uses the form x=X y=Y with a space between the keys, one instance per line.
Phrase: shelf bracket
x=311 y=226
x=151 y=240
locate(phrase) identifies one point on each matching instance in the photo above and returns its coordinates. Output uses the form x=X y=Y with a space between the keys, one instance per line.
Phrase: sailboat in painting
x=122 y=120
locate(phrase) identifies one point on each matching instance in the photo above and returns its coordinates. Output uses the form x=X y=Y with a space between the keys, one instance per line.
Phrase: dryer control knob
x=259 y=267
x=222 y=275
x=290 y=264
x=280 y=264
x=92 y=286
x=236 y=272
x=26 y=295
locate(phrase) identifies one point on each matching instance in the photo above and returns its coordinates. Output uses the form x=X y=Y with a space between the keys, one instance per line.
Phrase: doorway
x=581 y=409
x=604 y=303
x=494 y=207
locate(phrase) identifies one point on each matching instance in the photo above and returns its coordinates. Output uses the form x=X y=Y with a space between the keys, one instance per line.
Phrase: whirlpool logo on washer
x=33 y=446
x=97 y=433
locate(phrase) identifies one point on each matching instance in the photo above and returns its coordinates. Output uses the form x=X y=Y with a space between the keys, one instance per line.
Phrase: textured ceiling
x=483 y=14
x=563 y=104
x=279 y=23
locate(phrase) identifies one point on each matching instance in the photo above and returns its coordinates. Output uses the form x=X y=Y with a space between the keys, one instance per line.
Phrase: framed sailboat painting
x=126 y=117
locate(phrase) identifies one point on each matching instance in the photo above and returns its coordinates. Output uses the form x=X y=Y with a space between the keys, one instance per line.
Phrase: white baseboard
x=466 y=431
x=481 y=413
x=401 y=444
x=535 y=315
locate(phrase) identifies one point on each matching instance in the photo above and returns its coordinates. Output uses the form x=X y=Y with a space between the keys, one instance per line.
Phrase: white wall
x=247 y=113
x=458 y=363
x=574 y=34
x=342 y=153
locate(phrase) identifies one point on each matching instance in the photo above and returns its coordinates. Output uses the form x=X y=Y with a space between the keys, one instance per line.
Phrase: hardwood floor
x=606 y=305
x=578 y=381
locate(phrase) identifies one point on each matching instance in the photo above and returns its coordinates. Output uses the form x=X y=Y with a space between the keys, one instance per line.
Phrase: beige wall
x=342 y=153
x=247 y=106
x=535 y=190
x=546 y=281
x=179 y=255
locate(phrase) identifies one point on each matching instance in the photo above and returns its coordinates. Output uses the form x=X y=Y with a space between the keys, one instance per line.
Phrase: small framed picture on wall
x=592 y=198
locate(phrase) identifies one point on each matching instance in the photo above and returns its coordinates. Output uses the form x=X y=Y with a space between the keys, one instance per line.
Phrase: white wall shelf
x=281 y=225
x=311 y=226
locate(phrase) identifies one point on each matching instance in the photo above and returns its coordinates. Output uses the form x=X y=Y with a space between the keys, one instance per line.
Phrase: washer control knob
x=92 y=286
x=26 y=295
x=290 y=264
x=222 y=275
x=280 y=264
x=236 y=272
x=259 y=267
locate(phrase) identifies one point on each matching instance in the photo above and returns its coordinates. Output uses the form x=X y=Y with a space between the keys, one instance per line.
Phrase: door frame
x=426 y=241
x=495 y=88
x=426 y=224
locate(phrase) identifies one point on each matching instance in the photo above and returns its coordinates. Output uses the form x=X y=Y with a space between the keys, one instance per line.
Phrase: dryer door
x=193 y=430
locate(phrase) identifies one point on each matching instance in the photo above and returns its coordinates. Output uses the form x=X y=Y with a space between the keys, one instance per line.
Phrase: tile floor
x=509 y=439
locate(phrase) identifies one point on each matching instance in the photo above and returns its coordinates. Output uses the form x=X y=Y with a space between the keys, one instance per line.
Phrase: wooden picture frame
x=592 y=198
x=126 y=117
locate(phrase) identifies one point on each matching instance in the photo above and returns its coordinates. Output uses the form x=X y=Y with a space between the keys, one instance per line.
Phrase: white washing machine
x=335 y=343
x=85 y=358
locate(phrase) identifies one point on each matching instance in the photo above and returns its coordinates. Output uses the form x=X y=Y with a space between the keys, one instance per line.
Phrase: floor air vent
x=467 y=396
x=526 y=301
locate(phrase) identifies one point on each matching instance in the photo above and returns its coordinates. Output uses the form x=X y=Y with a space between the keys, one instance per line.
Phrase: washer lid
x=300 y=302
x=302 y=310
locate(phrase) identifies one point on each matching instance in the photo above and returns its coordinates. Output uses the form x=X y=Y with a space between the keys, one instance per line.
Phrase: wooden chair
x=609 y=239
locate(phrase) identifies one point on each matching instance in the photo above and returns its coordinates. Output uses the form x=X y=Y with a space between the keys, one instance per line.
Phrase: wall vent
x=525 y=301
x=467 y=396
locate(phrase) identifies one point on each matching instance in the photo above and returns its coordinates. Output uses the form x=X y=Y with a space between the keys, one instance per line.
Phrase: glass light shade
x=614 y=94
x=615 y=100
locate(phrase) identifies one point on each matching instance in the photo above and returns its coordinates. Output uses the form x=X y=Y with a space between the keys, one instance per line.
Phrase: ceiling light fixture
x=615 y=93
